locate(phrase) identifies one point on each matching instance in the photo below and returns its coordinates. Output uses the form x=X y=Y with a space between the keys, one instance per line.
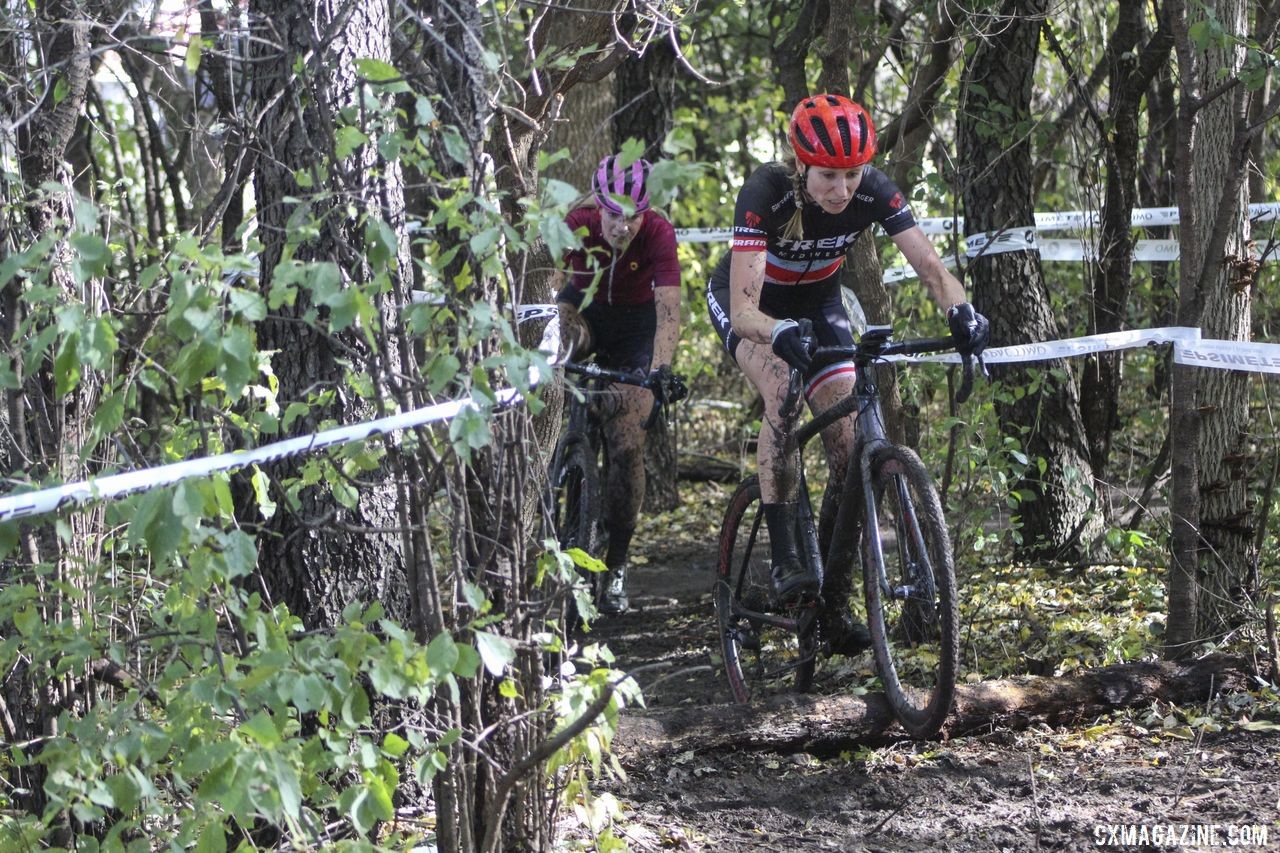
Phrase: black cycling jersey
x=766 y=203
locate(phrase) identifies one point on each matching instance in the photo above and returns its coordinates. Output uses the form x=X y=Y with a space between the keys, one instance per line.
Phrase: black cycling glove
x=791 y=346
x=667 y=387
x=970 y=329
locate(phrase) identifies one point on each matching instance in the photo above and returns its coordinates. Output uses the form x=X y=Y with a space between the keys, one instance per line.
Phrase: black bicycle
x=891 y=517
x=579 y=465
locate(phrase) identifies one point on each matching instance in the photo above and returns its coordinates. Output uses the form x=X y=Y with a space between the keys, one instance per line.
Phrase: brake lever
x=966 y=382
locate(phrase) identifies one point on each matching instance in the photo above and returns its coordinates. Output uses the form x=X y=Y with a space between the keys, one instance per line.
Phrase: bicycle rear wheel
x=910 y=588
x=576 y=508
x=763 y=649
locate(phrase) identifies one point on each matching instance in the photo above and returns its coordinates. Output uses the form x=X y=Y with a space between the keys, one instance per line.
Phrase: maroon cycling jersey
x=766 y=203
x=629 y=277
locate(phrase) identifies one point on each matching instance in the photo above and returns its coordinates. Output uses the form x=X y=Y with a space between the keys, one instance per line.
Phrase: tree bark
x=829 y=725
x=320 y=556
x=1213 y=533
x=644 y=90
x=1131 y=73
x=1057 y=520
x=47 y=433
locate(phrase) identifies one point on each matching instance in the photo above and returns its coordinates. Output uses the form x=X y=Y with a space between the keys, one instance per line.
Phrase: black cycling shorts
x=622 y=335
x=819 y=303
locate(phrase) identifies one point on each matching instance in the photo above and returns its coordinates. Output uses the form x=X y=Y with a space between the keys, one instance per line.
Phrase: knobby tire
x=577 y=512
x=758 y=658
x=913 y=624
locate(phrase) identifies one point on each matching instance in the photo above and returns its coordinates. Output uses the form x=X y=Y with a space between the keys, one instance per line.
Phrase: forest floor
x=1158 y=777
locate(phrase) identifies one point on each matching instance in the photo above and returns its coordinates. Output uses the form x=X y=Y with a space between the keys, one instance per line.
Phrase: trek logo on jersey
x=753 y=219
x=897 y=201
x=799 y=246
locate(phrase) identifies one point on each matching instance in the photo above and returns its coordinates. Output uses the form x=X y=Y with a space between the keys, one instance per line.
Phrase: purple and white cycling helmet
x=614 y=179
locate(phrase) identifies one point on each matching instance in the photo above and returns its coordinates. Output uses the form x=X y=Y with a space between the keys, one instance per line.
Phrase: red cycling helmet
x=832 y=131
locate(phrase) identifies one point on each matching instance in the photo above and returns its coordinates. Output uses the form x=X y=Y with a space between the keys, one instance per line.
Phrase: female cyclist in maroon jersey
x=792 y=227
x=621 y=301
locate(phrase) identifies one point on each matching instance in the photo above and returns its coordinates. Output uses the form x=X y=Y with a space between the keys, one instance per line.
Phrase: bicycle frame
x=869 y=437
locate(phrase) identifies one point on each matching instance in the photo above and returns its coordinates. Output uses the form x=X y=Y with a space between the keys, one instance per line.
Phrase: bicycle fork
x=909 y=540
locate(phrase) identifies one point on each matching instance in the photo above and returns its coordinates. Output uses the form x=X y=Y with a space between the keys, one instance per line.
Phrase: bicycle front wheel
x=910 y=588
x=763 y=648
x=577 y=507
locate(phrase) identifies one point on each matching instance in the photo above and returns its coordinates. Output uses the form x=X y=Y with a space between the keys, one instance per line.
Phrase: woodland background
x=216 y=215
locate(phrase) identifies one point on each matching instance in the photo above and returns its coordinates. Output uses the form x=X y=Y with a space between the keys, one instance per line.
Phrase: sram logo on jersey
x=785 y=246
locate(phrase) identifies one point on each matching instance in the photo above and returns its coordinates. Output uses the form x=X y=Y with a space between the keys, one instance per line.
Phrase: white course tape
x=1067 y=220
x=1049 y=350
x=1188 y=348
x=1143 y=217
x=1148 y=251
x=119 y=485
x=1230 y=355
x=996 y=242
x=704 y=235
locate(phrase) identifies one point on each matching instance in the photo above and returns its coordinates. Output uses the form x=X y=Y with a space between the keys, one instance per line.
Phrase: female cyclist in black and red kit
x=622 y=302
x=792 y=227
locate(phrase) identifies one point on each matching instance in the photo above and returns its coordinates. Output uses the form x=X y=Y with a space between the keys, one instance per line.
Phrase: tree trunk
x=644 y=89
x=1057 y=516
x=47 y=432
x=1214 y=529
x=318 y=556
x=829 y=725
x=1129 y=81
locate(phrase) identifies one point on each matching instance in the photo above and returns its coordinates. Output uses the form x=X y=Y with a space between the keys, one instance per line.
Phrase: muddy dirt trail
x=1105 y=784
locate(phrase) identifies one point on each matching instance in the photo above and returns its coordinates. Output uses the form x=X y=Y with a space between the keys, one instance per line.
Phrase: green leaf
x=155 y=524
x=262 y=494
x=8 y=537
x=27 y=621
x=92 y=252
x=423 y=112
x=455 y=146
x=468 y=431
x=241 y=360
x=288 y=786
x=468 y=662
x=442 y=654
x=261 y=729
x=192 y=59
x=355 y=706
x=347 y=140
x=248 y=304
x=379 y=801
x=394 y=745
x=66 y=366
x=442 y=370
x=376 y=70
x=213 y=838
x=495 y=651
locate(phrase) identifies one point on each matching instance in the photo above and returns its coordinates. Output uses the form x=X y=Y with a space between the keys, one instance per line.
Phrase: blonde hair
x=794 y=229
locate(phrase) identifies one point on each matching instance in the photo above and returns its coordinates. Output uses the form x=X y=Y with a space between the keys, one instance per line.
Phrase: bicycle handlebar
x=666 y=386
x=874 y=344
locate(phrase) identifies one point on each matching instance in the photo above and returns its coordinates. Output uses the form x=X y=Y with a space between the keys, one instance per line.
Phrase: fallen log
x=828 y=725
x=700 y=468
